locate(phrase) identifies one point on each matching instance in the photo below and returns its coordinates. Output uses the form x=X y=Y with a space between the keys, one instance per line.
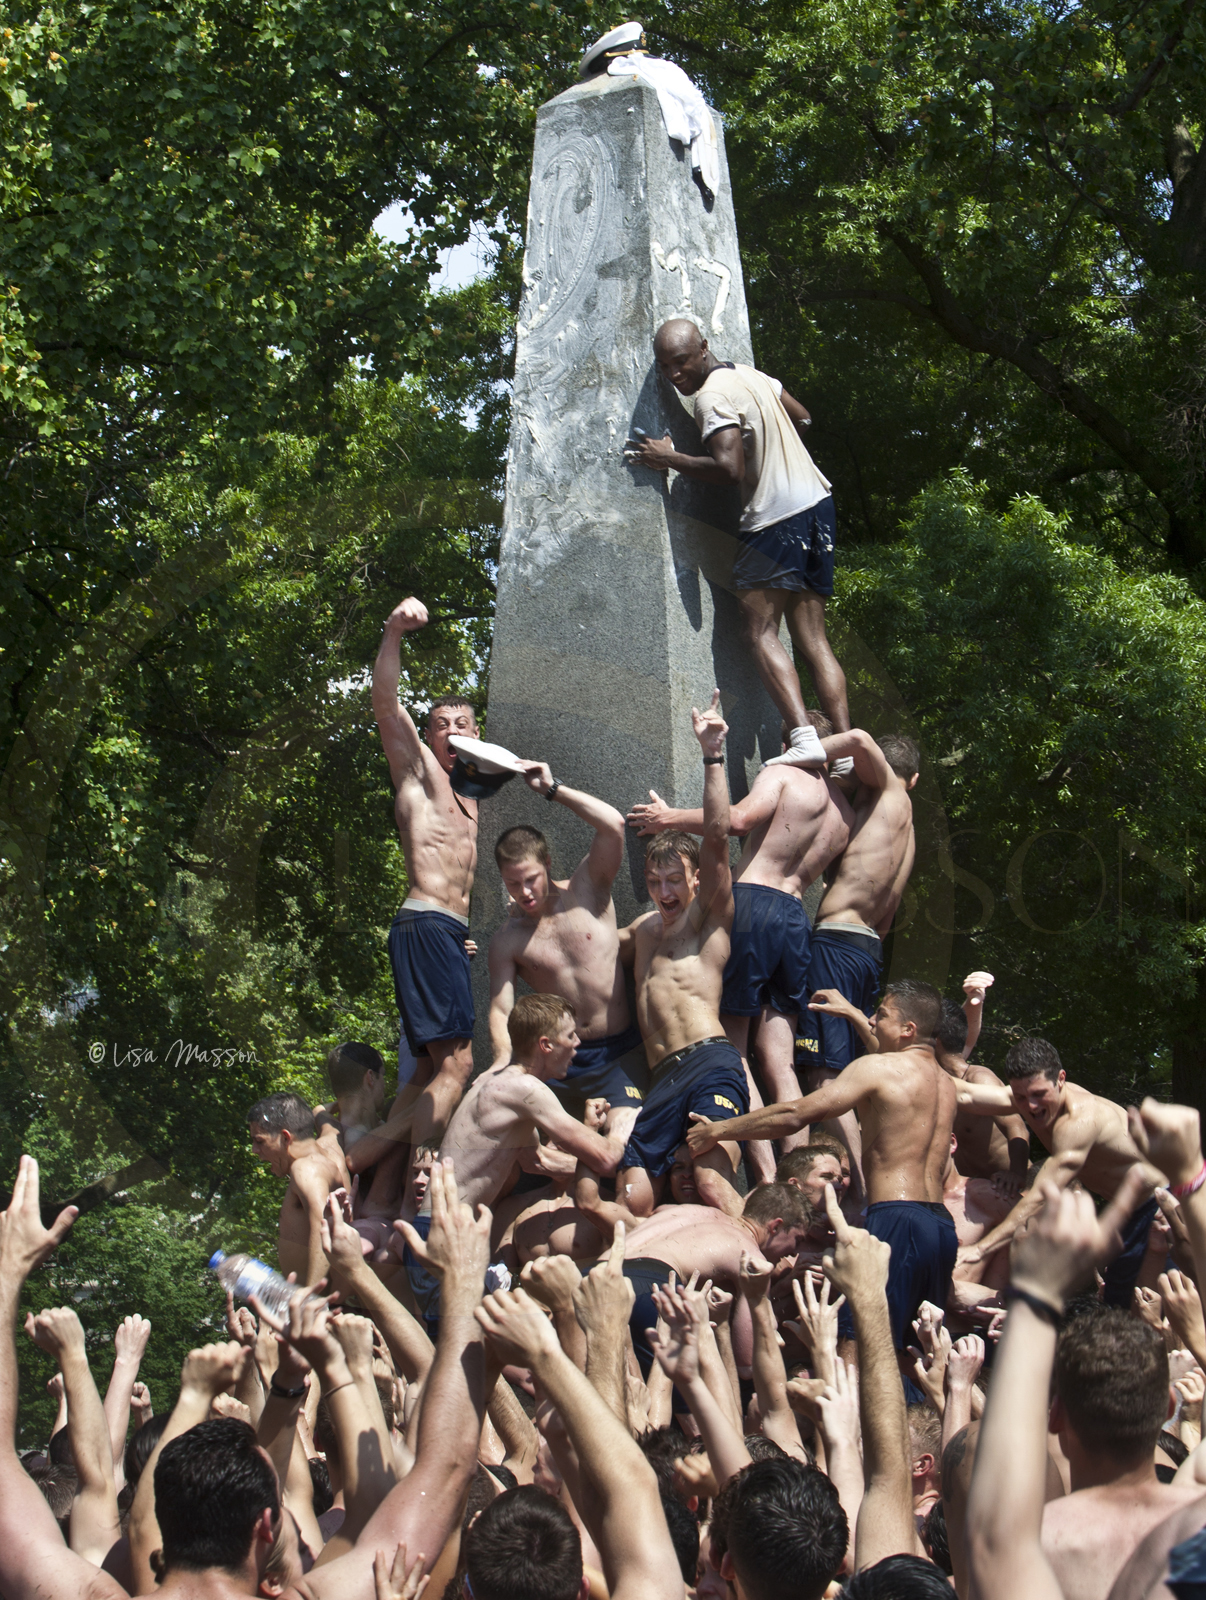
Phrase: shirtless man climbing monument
x=561 y=938
x=508 y=1106
x=679 y=950
x=906 y=1106
x=438 y=829
x=795 y=822
x=1087 y=1138
x=283 y=1135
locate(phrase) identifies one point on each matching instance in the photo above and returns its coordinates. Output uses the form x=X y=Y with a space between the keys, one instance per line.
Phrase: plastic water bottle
x=244 y=1276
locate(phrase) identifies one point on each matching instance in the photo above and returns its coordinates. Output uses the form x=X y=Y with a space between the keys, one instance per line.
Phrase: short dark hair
x=451 y=701
x=522 y=843
x=320 y=1486
x=283 y=1111
x=212 y=1484
x=58 y=1485
x=533 y=1017
x=1111 y=1376
x=784 y=1528
x=798 y=1163
x=684 y=1534
x=661 y=1448
x=524 y=1547
x=60 y=1449
x=936 y=1538
x=951 y=1032
x=916 y=1002
x=783 y=1200
x=1028 y=1057
x=899 y=1578
x=901 y=754
x=663 y=847
x=140 y=1446
x=347 y=1065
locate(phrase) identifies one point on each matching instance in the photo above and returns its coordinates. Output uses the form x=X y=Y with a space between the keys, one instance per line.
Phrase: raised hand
x=1183 y=1307
x=130 y=1339
x=837 y=1406
x=858 y=1264
x=537 y=775
x=393 y=1581
x=1067 y=1240
x=651 y=818
x=140 y=1405
x=720 y=1304
x=54 y=1386
x=603 y=1299
x=817 y=1327
x=24 y=1242
x=553 y=1280
x=212 y=1369
x=964 y=1361
x=517 y=1327
x=976 y=985
x=1150 y=1307
x=833 y=1002
x=459 y=1243
x=240 y=1323
x=307 y=1330
x=754 y=1273
x=57 y=1330
x=710 y=727
x=693 y=1475
x=407 y=617
x=677 y=1348
x=341 y=1243
x=355 y=1335
x=929 y=1368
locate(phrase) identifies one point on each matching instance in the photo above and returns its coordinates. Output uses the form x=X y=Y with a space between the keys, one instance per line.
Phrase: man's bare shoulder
x=982 y=1074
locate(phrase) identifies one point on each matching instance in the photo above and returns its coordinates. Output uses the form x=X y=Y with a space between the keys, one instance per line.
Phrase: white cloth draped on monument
x=684 y=110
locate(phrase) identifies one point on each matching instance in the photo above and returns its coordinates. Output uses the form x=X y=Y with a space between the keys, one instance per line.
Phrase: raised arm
x=617 y=1492
x=602 y=1155
x=421 y=1510
x=870 y=764
x=715 y=874
x=400 y=737
x=605 y=857
x=839 y=1095
x=129 y=1342
x=412 y=1350
x=502 y=995
x=95 y=1522
x=34 y=1561
x=1072 y=1143
x=859 y=1268
x=757 y=807
x=975 y=989
x=770 y=1376
x=835 y=1004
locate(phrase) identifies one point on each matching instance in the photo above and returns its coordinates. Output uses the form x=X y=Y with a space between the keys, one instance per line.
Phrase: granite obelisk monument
x=614 y=610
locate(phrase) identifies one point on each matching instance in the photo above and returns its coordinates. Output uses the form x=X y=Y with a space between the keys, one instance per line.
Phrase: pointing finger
x=841 y=1228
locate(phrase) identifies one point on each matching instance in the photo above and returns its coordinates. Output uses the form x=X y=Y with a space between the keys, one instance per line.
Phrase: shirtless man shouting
x=679 y=950
x=282 y=1134
x=561 y=938
x=508 y=1107
x=906 y=1107
x=438 y=829
x=1087 y=1138
x=795 y=822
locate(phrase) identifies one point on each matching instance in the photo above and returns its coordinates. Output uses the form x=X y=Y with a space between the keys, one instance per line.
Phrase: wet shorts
x=795 y=554
x=645 y=1275
x=852 y=964
x=707 y=1078
x=1123 y=1271
x=600 y=1068
x=768 y=953
x=431 y=977
x=924 y=1245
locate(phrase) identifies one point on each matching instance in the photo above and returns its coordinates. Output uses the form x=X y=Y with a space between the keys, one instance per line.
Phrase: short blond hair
x=535 y=1017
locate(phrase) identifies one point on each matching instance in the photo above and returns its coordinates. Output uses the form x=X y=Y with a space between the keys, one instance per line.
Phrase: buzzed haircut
x=798 y=1163
x=283 y=1112
x=536 y=1016
x=925 y=1432
x=1029 y=1057
x=783 y=1525
x=522 y=843
x=916 y=1002
x=783 y=1200
x=524 y=1547
x=901 y=754
x=58 y=1485
x=453 y=702
x=662 y=849
x=951 y=1033
x=1111 y=1376
x=347 y=1065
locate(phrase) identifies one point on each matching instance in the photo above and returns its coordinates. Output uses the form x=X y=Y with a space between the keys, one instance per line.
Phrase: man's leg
x=452 y=1062
x=774 y=1051
x=714 y=1179
x=761 y=1152
x=761 y=613
x=806 y=624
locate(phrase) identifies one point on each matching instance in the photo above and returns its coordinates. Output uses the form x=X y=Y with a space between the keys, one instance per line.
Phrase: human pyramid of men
x=745 y=1255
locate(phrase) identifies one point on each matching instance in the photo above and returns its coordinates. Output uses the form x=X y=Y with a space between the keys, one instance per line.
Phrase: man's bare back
x=1090 y=1535
x=983 y=1145
x=313 y=1175
x=872 y=873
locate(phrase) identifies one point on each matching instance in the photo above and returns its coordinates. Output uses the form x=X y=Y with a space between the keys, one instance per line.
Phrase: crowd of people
x=730 y=1277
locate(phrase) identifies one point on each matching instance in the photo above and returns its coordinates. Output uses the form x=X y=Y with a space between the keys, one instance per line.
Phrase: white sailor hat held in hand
x=481 y=769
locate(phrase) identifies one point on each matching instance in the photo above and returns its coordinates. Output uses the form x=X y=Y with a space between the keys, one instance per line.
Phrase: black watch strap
x=713 y=761
x=286 y=1394
x=553 y=790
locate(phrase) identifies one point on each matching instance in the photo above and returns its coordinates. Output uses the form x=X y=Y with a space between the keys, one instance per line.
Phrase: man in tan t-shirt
x=751 y=427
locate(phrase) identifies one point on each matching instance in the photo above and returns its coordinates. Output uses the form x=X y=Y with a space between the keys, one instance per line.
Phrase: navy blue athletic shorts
x=431 y=977
x=795 y=554
x=924 y=1246
x=424 y=1284
x=1122 y=1272
x=768 y=955
x=645 y=1275
x=851 y=963
x=709 y=1079
x=596 y=1070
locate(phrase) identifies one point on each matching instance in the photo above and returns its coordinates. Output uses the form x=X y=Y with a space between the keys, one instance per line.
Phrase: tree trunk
x=1189 y=1051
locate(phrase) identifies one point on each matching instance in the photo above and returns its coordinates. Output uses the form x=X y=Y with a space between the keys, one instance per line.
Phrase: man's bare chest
x=567 y=938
